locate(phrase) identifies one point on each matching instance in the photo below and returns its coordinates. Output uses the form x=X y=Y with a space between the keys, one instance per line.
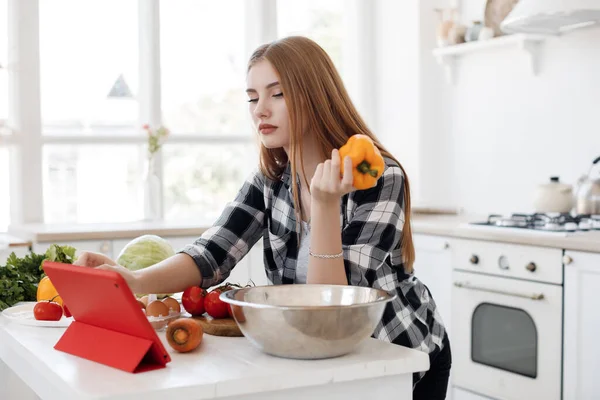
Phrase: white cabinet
x=581 y=360
x=433 y=267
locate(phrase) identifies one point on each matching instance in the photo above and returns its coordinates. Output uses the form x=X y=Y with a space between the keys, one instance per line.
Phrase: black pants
x=434 y=384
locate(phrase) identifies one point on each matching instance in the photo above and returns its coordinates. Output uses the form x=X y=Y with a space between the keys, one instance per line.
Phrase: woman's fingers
x=348 y=177
x=326 y=172
x=316 y=179
x=335 y=166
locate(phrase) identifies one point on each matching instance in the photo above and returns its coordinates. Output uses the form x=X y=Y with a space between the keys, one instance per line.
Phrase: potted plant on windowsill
x=152 y=186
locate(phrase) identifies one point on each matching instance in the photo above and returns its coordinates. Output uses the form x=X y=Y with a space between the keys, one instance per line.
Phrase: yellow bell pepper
x=367 y=162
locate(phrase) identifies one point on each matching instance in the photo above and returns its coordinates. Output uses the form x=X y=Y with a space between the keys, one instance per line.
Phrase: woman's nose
x=261 y=109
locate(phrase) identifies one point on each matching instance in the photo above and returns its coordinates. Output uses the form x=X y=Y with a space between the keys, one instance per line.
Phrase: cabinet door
x=581 y=360
x=97 y=246
x=433 y=267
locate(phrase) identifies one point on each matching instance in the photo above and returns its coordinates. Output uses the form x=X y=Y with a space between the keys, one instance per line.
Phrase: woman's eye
x=252 y=100
x=278 y=95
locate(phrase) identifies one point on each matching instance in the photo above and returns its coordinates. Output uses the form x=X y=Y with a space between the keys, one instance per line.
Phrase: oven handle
x=467 y=285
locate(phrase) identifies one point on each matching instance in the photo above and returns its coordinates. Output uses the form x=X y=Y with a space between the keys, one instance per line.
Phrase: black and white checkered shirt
x=372 y=222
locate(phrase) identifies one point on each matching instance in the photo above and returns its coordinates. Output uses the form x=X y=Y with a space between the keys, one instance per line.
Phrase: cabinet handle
x=567 y=259
x=531 y=267
x=474 y=259
x=503 y=263
x=467 y=285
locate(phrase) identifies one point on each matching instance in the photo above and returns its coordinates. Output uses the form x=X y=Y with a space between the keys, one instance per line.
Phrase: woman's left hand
x=326 y=185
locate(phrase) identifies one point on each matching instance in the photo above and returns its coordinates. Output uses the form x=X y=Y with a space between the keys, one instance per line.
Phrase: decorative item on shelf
x=447 y=21
x=151 y=181
x=486 y=33
x=456 y=35
x=495 y=12
x=473 y=31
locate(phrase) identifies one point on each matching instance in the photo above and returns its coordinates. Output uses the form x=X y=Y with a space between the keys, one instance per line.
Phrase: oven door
x=507 y=336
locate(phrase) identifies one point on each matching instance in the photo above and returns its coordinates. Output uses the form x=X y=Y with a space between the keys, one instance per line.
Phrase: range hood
x=551 y=17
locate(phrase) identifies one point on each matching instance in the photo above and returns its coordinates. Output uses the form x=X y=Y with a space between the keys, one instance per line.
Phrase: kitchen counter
x=124 y=230
x=222 y=367
x=456 y=226
x=8 y=241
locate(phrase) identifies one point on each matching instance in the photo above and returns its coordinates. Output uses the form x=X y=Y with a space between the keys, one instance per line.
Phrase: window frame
x=23 y=130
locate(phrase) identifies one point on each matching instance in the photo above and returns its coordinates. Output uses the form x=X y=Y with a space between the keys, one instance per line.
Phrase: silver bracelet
x=340 y=254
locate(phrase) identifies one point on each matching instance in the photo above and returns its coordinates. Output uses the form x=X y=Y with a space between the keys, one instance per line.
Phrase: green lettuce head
x=145 y=251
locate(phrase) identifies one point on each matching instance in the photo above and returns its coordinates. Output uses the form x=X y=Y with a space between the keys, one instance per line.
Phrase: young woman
x=315 y=227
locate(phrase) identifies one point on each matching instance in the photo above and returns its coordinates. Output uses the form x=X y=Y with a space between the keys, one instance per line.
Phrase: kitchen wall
x=487 y=141
x=510 y=131
x=408 y=97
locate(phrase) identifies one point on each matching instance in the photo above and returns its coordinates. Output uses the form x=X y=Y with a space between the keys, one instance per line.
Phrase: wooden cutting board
x=219 y=326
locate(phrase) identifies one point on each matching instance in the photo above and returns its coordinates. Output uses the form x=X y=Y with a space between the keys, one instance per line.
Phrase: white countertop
x=7 y=241
x=220 y=367
x=107 y=231
x=456 y=226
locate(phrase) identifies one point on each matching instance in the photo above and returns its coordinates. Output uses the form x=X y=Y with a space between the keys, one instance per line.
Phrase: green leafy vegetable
x=19 y=278
x=145 y=251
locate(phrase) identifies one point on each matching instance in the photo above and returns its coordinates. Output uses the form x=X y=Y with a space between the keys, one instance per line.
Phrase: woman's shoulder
x=390 y=186
x=392 y=168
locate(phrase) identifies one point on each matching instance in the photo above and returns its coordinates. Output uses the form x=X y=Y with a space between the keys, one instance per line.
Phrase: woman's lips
x=265 y=129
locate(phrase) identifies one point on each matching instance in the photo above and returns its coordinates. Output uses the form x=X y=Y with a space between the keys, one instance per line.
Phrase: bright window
x=203 y=67
x=322 y=21
x=4 y=199
x=3 y=62
x=4 y=183
x=88 y=66
x=92 y=183
x=200 y=179
x=92 y=156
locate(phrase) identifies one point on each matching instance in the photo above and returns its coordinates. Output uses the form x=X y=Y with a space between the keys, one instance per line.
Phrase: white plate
x=23 y=314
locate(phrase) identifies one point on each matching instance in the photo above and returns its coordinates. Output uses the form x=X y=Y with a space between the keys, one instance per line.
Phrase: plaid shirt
x=372 y=222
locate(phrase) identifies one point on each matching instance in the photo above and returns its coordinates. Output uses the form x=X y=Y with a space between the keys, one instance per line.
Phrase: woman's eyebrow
x=270 y=85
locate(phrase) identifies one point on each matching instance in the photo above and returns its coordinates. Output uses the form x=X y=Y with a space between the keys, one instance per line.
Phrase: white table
x=223 y=368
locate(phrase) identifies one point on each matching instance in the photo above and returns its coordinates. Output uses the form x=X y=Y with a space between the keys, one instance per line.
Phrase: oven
x=507 y=313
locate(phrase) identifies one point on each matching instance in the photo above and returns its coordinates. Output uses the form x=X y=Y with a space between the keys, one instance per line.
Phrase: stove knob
x=503 y=263
x=531 y=267
x=474 y=259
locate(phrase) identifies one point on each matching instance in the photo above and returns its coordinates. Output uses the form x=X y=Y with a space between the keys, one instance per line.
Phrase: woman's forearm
x=175 y=274
x=326 y=238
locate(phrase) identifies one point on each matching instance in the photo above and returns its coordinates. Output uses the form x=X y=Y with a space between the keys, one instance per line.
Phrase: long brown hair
x=317 y=102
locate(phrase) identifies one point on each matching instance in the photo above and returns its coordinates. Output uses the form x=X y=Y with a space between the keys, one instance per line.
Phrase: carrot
x=184 y=334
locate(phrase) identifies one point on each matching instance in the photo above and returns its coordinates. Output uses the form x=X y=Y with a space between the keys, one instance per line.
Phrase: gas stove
x=549 y=222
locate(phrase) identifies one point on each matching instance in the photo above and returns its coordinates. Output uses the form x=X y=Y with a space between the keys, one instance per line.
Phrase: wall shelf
x=447 y=56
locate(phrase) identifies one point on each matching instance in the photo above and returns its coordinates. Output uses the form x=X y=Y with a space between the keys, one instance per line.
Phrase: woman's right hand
x=100 y=261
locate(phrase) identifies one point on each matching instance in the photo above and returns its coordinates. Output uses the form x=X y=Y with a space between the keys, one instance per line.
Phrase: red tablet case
x=109 y=325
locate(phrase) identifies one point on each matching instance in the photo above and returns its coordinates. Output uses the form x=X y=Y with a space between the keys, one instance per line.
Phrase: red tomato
x=66 y=311
x=47 y=311
x=215 y=307
x=193 y=300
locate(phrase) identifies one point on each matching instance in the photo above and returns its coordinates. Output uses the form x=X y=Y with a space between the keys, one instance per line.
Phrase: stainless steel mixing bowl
x=307 y=321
